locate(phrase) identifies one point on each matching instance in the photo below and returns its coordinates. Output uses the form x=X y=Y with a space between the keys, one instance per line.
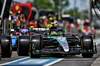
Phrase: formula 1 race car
x=14 y=34
x=54 y=41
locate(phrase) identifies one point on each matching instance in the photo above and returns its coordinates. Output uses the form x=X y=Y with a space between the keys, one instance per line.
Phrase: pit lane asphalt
x=76 y=60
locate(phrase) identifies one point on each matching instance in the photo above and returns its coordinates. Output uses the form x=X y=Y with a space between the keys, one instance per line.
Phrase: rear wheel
x=87 y=44
x=0 y=53
x=87 y=55
x=6 y=46
x=23 y=45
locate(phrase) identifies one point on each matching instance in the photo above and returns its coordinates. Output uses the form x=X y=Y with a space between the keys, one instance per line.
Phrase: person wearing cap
x=15 y=17
x=51 y=20
x=20 y=21
x=45 y=20
x=11 y=19
x=41 y=23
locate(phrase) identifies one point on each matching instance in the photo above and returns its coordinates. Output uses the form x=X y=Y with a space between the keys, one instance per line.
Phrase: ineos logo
x=41 y=29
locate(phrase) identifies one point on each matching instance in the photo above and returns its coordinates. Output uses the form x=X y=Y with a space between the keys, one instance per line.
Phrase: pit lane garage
x=54 y=41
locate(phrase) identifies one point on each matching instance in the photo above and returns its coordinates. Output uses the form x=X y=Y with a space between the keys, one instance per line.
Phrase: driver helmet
x=41 y=17
x=17 y=33
x=10 y=12
x=50 y=18
x=53 y=33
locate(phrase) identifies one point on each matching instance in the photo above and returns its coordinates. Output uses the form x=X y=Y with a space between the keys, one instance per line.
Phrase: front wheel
x=87 y=55
x=87 y=44
x=0 y=56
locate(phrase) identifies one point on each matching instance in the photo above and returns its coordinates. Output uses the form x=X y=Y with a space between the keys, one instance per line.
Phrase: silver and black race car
x=54 y=41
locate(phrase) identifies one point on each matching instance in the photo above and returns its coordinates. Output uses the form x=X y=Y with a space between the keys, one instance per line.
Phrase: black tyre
x=23 y=45
x=87 y=55
x=36 y=44
x=0 y=56
x=58 y=55
x=0 y=51
x=6 y=46
x=87 y=44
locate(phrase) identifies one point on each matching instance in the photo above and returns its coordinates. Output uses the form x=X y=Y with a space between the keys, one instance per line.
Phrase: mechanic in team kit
x=19 y=20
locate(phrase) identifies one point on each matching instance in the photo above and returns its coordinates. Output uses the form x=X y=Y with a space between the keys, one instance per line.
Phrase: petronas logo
x=17 y=7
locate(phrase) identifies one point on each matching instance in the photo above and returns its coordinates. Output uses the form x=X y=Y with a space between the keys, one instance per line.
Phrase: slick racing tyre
x=23 y=45
x=6 y=46
x=36 y=44
x=87 y=44
x=87 y=55
x=0 y=52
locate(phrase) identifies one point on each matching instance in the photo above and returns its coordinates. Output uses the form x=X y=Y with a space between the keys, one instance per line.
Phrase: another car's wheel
x=35 y=46
x=87 y=44
x=0 y=56
x=87 y=55
x=6 y=46
x=0 y=52
x=23 y=45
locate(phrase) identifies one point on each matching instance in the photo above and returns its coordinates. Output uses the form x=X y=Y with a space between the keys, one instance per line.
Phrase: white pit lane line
x=13 y=61
x=49 y=64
